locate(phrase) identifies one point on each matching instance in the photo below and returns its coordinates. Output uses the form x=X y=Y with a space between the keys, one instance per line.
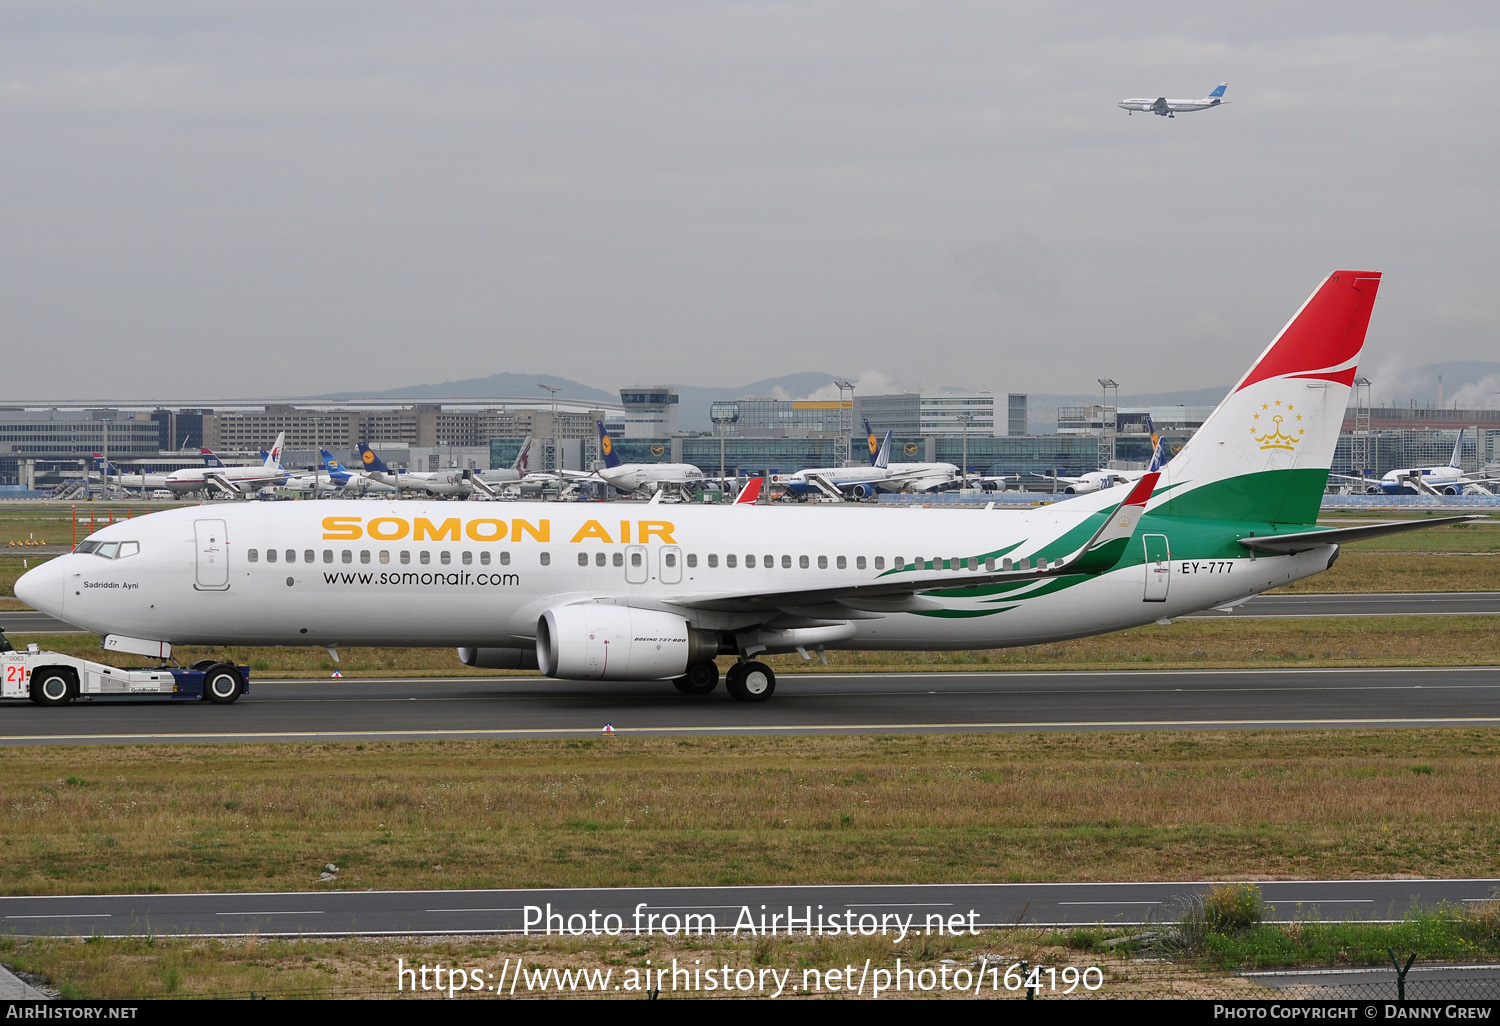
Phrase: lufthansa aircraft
x=590 y=592
x=1168 y=108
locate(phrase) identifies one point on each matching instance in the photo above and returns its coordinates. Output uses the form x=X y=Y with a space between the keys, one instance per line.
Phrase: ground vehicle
x=51 y=678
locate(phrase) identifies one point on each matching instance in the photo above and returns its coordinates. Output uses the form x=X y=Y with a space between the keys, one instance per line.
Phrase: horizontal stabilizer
x=1301 y=541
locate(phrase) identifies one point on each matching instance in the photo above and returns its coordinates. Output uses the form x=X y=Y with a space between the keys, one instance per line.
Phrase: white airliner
x=1169 y=108
x=234 y=480
x=589 y=592
x=1449 y=480
x=646 y=477
x=451 y=482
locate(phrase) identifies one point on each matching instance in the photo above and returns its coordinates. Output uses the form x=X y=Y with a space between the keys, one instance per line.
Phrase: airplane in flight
x=634 y=477
x=585 y=592
x=1169 y=108
x=243 y=480
x=1449 y=480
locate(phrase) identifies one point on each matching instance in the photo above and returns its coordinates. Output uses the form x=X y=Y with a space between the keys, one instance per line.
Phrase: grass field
x=682 y=811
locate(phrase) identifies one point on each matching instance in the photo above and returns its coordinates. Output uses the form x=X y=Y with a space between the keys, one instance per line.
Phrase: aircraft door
x=1158 y=567
x=671 y=564
x=212 y=545
x=636 y=567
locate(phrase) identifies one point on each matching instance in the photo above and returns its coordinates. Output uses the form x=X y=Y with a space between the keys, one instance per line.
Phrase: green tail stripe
x=1273 y=496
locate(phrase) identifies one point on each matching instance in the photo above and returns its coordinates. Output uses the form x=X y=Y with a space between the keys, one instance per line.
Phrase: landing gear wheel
x=222 y=684
x=750 y=682
x=53 y=687
x=700 y=679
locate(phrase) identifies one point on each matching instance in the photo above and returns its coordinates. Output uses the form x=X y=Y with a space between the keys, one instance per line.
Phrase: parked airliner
x=234 y=480
x=1449 y=480
x=589 y=592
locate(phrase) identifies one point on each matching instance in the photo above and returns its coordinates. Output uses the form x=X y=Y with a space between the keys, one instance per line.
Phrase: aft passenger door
x=212 y=543
x=1158 y=567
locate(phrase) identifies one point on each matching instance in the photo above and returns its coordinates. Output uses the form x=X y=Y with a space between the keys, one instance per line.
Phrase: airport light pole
x=846 y=386
x=556 y=445
x=965 y=419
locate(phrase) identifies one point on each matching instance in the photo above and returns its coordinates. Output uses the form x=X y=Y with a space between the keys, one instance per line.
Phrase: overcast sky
x=230 y=199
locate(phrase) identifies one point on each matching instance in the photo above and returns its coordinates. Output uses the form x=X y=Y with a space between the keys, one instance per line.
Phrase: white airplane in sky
x=234 y=480
x=590 y=592
x=1449 y=480
x=1169 y=108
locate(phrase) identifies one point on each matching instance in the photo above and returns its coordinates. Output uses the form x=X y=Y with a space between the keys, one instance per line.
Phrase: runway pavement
x=810 y=703
x=878 y=909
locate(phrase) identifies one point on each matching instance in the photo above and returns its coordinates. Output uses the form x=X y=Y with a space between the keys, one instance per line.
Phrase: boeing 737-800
x=1169 y=108
x=586 y=592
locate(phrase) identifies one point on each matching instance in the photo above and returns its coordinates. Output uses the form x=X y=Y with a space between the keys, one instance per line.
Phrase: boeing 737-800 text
x=590 y=592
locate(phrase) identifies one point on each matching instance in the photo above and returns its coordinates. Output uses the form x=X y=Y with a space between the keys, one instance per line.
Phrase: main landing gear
x=746 y=682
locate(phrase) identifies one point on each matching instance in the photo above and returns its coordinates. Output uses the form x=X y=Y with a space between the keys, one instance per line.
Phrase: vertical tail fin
x=607 y=446
x=883 y=457
x=273 y=457
x=750 y=492
x=1458 y=451
x=522 y=465
x=372 y=462
x=1218 y=93
x=871 y=441
x=209 y=459
x=1264 y=453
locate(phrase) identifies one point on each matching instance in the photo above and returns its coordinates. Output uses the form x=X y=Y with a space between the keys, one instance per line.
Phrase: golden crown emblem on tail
x=1277 y=426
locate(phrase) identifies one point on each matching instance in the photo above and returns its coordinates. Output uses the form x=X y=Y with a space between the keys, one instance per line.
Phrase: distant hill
x=1468 y=382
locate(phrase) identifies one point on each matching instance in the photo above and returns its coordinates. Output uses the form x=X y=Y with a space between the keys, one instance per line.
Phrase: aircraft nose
x=41 y=588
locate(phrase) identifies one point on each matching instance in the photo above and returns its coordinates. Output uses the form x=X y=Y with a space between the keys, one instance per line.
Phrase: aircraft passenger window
x=484 y=558
x=385 y=555
x=879 y=562
x=505 y=559
x=583 y=559
x=347 y=556
x=328 y=555
x=989 y=566
x=900 y=563
x=802 y=562
x=128 y=549
x=729 y=561
x=669 y=558
x=619 y=559
x=692 y=559
x=600 y=559
x=843 y=562
x=546 y=558
x=252 y=555
x=771 y=561
x=309 y=556
x=445 y=557
x=859 y=562
x=424 y=557
x=1024 y=564
x=635 y=559
x=364 y=555
x=291 y=555
x=713 y=559
x=822 y=562
x=467 y=558
x=749 y=561
x=270 y=555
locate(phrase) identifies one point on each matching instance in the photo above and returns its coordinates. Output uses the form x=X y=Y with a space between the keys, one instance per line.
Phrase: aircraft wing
x=1160 y=106
x=903 y=590
x=1301 y=541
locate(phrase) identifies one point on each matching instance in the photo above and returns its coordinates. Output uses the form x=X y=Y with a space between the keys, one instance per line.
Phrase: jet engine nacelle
x=499 y=658
x=599 y=641
x=863 y=491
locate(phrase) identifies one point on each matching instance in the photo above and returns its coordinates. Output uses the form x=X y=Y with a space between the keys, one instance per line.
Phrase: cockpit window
x=109 y=550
